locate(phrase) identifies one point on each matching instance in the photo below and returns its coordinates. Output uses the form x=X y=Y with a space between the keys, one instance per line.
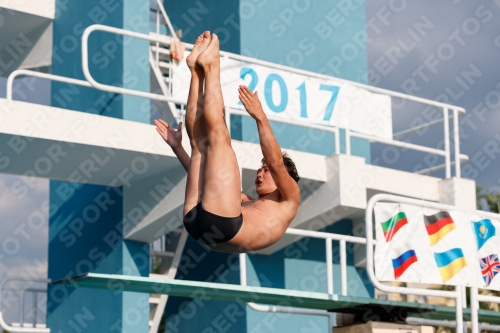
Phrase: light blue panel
x=75 y=249
x=320 y=36
x=105 y=56
x=136 y=70
x=135 y=306
x=267 y=322
x=195 y=16
x=112 y=59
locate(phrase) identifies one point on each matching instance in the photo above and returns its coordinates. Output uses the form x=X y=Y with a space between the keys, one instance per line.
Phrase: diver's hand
x=251 y=103
x=171 y=136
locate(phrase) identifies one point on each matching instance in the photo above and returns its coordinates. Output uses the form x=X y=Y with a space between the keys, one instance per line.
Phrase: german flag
x=391 y=226
x=438 y=226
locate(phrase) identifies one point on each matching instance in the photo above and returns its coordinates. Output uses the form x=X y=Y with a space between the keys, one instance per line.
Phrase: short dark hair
x=289 y=165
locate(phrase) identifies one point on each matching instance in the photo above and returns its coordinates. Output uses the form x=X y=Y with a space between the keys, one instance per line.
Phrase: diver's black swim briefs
x=208 y=228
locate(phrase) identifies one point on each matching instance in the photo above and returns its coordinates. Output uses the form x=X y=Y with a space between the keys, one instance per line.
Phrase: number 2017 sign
x=300 y=97
x=282 y=92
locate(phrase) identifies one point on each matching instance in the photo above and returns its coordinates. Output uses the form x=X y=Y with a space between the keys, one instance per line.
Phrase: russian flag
x=401 y=263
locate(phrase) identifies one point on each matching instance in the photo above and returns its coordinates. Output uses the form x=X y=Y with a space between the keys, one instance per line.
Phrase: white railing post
x=474 y=307
x=243 y=269
x=329 y=266
x=337 y=141
x=446 y=143
x=459 y=311
x=21 y=309
x=343 y=267
x=456 y=142
x=347 y=141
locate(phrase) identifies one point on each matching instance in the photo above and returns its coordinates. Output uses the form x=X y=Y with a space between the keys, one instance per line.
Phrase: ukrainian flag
x=450 y=263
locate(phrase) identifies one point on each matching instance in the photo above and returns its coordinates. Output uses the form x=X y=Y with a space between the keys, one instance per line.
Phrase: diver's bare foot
x=200 y=45
x=211 y=56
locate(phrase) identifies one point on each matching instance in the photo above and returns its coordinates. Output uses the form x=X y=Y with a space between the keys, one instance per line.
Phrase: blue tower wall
x=87 y=224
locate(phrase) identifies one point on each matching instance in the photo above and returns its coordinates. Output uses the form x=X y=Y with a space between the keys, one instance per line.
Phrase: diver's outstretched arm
x=270 y=148
x=174 y=139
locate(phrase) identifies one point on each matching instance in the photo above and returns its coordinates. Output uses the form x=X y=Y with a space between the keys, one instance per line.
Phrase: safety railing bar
x=489 y=327
x=21 y=307
x=114 y=89
x=329 y=266
x=25 y=72
x=343 y=267
x=167 y=19
x=326 y=235
x=456 y=143
x=447 y=323
x=457 y=294
x=446 y=125
x=431 y=322
x=369 y=250
x=487 y=298
x=417 y=128
x=463 y=159
x=95 y=27
x=474 y=307
x=9 y=328
x=399 y=144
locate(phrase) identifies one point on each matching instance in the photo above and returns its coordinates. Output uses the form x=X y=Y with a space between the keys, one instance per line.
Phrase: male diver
x=216 y=213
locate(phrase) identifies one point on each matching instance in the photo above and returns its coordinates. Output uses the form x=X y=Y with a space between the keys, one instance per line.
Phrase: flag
x=484 y=230
x=438 y=226
x=391 y=226
x=490 y=266
x=450 y=262
x=401 y=263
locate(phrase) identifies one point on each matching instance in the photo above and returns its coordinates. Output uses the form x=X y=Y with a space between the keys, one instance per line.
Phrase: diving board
x=271 y=296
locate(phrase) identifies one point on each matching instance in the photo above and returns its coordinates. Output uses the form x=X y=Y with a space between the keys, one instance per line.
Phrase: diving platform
x=271 y=296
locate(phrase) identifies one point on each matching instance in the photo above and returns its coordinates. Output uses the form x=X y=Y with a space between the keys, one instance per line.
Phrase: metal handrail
x=419 y=127
x=114 y=89
x=463 y=159
x=99 y=27
x=9 y=328
x=440 y=293
x=46 y=76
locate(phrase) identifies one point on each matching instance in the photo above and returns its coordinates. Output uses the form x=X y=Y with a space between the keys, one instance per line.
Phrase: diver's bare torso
x=265 y=220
